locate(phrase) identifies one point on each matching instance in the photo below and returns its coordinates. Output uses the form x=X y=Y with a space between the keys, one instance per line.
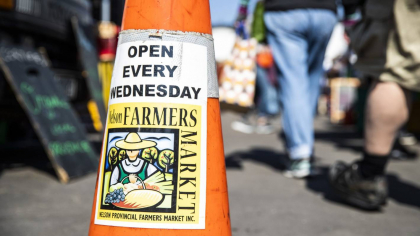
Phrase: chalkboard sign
x=52 y=117
x=89 y=58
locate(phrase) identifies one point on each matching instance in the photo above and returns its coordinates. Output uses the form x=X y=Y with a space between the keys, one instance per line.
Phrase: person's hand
x=132 y=178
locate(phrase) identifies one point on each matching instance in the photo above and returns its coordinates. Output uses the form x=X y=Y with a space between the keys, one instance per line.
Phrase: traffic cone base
x=162 y=168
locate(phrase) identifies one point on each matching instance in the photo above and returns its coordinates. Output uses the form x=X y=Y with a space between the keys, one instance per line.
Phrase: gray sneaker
x=298 y=168
x=264 y=126
x=243 y=125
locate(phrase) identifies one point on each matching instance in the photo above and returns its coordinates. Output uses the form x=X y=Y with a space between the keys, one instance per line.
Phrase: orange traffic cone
x=162 y=168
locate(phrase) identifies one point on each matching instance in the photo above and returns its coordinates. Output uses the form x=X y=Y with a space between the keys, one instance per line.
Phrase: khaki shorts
x=387 y=42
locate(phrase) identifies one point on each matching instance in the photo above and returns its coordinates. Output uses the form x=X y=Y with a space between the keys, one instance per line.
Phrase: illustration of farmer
x=134 y=167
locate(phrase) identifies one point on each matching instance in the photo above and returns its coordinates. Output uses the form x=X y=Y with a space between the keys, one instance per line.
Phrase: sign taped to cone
x=162 y=169
x=153 y=165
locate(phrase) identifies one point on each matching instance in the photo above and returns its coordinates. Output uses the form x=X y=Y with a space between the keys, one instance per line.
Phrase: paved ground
x=262 y=201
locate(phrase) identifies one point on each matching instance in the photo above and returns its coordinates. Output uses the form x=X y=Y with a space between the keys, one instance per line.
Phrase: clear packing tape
x=179 y=36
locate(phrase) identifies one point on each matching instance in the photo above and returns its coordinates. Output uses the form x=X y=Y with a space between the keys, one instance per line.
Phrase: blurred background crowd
x=320 y=90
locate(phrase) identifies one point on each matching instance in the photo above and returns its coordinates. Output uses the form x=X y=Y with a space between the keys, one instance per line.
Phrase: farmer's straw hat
x=133 y=142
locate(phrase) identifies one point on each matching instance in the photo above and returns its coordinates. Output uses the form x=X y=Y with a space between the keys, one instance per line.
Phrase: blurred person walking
x=298 y=33
x=259 y=118
x=387 y=42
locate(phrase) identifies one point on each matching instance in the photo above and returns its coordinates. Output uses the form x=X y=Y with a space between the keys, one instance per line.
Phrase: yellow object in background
x=343 y=97
x=105 y=69
x=94 y=114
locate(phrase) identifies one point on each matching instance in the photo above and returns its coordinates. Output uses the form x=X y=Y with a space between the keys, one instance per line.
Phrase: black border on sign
x=175 y=172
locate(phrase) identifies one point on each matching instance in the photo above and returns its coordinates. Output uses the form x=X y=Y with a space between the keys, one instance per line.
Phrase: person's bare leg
x=386 y=111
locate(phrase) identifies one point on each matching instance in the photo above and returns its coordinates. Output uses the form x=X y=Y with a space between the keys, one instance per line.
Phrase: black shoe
x=347 y=182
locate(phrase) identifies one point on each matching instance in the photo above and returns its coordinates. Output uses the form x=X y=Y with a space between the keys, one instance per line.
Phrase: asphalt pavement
x=262 y=201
